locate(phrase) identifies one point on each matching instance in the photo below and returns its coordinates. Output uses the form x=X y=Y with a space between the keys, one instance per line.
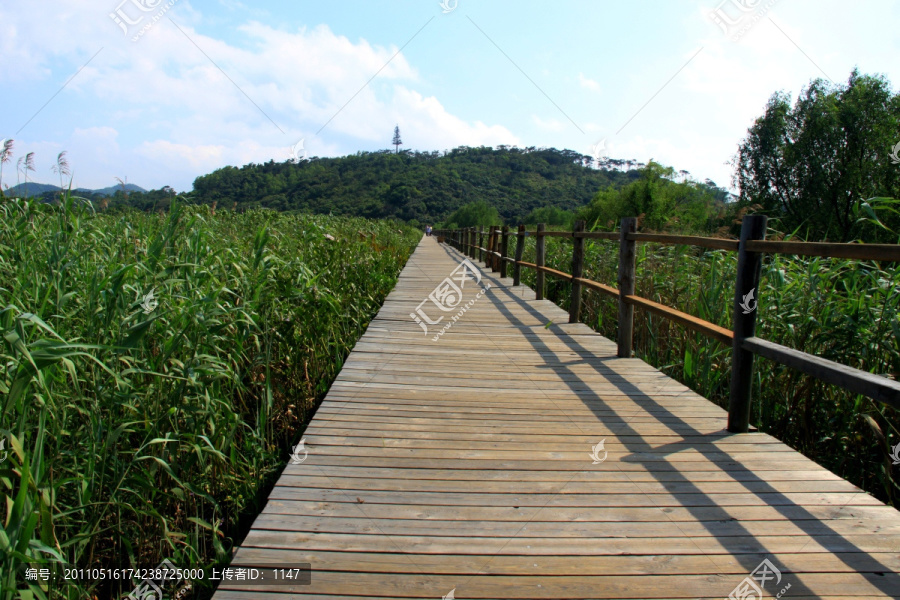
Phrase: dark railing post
x=495 y=248
x=577 y=272
x=471 y=242
x=520 y=249
x=746 y=295
x=489 y=258
x=627 y=264
x=539 y=261
x=504 y=250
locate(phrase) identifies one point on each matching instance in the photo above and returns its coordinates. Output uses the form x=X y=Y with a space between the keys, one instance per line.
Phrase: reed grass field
x=847 y=311
x=157 y=368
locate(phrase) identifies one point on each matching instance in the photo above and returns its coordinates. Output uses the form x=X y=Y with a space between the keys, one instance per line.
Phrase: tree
x=813 y=163
x=397 y=141
x=688 y=206
x=550 y=215
x=474 y=214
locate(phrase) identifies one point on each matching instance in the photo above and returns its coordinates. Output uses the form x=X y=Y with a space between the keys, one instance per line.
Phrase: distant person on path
x=428 y=230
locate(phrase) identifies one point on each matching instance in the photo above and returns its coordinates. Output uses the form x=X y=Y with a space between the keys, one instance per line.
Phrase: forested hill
x=420 y=186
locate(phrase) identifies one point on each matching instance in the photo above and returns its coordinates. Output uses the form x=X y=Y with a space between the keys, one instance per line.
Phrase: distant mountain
x=39 y=189
x=109 y=191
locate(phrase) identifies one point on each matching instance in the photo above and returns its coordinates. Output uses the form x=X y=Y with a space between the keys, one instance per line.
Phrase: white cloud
x=187 y=116
x=548 y=124
x=589 y=84
x=432 y=126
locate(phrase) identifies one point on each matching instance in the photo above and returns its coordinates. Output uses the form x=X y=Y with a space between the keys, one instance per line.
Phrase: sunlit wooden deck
x=468 y=464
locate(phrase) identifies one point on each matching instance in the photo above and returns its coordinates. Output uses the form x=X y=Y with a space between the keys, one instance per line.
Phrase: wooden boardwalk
x=471 y=465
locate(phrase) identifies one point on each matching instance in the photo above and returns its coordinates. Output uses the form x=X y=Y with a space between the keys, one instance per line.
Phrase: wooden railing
x=494 y=252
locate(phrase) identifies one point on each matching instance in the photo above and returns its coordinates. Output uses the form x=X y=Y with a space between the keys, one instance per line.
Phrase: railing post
x=471 y=238
x=539 y=261
x=495 y=248
x=577 y=272
x=504 y=250
x=520 y=249
x=746 y=291
x=627 y=264
x=480 y=243
x=488 y=258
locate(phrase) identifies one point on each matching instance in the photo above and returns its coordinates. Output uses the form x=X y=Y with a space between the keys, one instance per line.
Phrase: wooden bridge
x=478 y=445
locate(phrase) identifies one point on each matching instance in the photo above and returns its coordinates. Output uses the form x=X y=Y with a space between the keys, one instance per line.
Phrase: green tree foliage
x=813 y=163
x=660 y=201
x=425 y=186
x=474 y=214
x=551 y=215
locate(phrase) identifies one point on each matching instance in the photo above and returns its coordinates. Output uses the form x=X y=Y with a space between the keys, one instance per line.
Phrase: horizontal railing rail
x=492 y=247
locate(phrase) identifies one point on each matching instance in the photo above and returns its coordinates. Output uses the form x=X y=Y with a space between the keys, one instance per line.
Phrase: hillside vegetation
x=415 y=186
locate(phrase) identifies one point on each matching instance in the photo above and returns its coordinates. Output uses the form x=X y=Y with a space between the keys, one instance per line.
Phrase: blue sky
x=212 y=83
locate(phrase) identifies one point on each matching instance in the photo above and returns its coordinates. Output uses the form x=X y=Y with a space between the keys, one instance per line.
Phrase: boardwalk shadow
x=742 y=544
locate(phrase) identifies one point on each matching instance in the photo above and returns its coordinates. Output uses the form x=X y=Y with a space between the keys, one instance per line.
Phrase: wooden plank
x=472 y=585
x=364 y=525
x=369 y=562
x=470 y=462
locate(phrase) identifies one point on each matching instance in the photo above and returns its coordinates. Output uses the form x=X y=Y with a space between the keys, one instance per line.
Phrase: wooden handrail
x=859 y=382
x=745 y=344
x=691 y=322
x=887 y=252
x=686 y=240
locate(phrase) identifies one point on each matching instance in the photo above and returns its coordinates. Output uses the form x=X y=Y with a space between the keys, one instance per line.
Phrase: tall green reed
x=156 y=369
